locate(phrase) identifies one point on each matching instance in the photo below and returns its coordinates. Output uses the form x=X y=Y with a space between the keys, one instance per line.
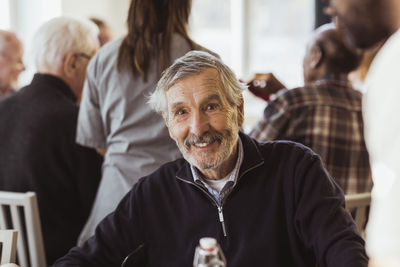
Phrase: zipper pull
x=221 y=219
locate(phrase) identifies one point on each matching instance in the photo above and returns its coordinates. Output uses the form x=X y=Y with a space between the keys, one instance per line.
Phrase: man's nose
x=199 y=123
x=330 y=11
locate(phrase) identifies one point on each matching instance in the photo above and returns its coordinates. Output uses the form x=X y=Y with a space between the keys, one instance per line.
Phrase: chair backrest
x=20 y=211
x=8 y=240
x=358 y=205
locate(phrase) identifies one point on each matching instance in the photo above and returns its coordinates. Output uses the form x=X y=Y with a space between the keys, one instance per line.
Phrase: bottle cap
x=208 y=243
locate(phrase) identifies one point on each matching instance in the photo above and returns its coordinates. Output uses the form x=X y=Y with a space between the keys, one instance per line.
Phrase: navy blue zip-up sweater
x=284 y=211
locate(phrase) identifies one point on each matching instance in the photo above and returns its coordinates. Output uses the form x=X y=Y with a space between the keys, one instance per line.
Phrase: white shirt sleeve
x=381 y=110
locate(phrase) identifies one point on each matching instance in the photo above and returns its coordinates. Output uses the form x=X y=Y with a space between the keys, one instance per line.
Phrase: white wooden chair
x=358 y=204
x=8 y=240
x=20 y=211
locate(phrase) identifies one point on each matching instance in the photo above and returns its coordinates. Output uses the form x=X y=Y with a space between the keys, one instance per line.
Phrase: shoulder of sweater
x=279 y=148
x=165 y=172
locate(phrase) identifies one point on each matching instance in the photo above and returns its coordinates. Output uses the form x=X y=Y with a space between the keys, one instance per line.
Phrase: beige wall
x=114 y=12
x=27 y=15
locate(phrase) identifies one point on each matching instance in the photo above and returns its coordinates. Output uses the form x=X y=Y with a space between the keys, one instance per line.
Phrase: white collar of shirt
x=217 y=185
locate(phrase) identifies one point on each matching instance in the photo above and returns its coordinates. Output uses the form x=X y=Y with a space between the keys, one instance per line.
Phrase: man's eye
x=211 y=106
x=181 y=112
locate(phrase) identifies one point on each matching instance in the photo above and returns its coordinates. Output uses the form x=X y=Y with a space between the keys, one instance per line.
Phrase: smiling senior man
x=267 y=204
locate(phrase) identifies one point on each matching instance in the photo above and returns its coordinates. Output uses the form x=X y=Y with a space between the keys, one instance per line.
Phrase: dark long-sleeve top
x=285 y=210
x=38 y=153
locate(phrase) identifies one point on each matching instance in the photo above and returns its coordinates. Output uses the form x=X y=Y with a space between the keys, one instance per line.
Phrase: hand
x=264 y=85
x=101 y=151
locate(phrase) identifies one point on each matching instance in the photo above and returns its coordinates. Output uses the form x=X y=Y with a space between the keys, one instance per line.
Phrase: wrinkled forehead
x=208 y=78
x=190 y=72
x=202 y=84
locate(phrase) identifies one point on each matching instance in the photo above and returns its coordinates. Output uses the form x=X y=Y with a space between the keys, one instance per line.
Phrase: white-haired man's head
x=201 y=101
x=195 y=62
x=63 y=47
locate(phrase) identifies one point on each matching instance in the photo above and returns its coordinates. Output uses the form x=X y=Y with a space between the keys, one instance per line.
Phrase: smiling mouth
x=205 y=141
x=203 y=145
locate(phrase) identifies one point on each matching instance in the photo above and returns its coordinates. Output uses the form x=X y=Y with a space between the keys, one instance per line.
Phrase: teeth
x=201 y=144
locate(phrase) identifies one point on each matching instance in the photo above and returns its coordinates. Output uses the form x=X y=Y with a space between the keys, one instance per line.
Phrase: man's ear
x=316 y=56
x=240 y=108
x=69 y=64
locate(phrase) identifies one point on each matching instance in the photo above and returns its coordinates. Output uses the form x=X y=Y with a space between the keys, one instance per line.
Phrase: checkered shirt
x=325 y=116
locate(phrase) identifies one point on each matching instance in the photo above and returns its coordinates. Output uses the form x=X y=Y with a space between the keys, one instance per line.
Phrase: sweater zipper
x=219 y=207
x=221 y=219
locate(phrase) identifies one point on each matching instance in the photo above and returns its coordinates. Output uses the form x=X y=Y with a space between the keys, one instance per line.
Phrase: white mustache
x=208 y=138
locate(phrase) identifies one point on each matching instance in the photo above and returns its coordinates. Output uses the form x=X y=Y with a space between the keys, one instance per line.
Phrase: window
x=256 y=36
x=25 y=17
x=4 y=14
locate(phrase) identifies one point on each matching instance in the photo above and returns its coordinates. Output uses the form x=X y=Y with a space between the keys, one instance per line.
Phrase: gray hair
x=60 y=36
x=195 y=62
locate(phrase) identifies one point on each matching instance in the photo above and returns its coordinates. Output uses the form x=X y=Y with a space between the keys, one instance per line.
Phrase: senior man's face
x=203 y=123
x=365 y=22
x=11 y=64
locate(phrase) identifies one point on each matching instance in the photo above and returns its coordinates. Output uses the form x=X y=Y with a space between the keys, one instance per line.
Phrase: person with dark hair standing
x=114 y=116
x=366 y=23
x=325 y=114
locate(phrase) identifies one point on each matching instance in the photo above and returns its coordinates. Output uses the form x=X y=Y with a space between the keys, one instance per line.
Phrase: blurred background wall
x=250 y=35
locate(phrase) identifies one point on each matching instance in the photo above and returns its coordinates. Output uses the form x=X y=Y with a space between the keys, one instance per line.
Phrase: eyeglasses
x=84 y=56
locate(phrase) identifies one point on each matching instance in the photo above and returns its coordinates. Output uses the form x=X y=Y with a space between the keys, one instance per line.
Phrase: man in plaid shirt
x=325 y=114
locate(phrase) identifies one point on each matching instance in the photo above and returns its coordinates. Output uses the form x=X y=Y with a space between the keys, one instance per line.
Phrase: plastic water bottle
x=209 y=254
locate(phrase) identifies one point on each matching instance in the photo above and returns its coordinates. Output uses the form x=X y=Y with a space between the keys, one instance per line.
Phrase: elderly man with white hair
x=267 y=204
x=37 y=134
x=11 y=65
